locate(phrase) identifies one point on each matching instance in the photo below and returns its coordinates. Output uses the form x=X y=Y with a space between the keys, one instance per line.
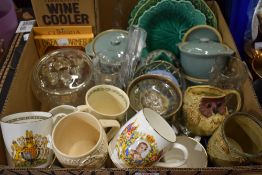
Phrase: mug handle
x=175 y=163
x=239 y=100
x=113 y=124
x=57 y=115
x=82 y=108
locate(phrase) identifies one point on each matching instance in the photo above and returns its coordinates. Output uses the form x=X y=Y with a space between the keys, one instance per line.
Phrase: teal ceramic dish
x=167 y=22
x=202 y=31
x=198 y=57
x=192 y=81
x=111 y=40
x=89 y=49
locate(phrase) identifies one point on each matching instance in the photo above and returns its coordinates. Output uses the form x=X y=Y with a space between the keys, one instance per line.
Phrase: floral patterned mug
x=206 y=107
x=143 y=141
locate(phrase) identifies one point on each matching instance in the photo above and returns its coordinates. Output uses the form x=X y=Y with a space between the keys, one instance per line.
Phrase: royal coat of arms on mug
x=26 y=136
x=30 y=150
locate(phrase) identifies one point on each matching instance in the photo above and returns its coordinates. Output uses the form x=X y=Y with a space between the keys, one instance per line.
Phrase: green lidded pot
x=111 y=40
x=198 y=57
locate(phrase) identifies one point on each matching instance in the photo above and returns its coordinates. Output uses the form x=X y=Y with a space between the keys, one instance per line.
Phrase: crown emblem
x=30 y=150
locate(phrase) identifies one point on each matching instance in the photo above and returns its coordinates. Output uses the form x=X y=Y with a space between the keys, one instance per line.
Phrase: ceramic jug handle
x=175 y=163
x=238 y=96
x=113 y=124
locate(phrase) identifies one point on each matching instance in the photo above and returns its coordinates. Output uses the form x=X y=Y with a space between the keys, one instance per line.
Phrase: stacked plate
x=166 y=21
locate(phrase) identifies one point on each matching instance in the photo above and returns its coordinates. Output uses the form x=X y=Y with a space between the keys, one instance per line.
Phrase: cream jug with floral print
x=205 y=108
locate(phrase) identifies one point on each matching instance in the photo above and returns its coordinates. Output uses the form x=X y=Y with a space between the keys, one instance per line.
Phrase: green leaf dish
x=139 y=9
x=144 y=5
x=204 y=8
x=167 y=22
x=136 y=7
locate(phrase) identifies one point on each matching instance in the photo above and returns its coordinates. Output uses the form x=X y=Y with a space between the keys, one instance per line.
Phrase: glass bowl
x=62 y=77
x=156 y=92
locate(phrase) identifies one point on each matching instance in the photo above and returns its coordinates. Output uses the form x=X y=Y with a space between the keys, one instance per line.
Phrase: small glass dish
x=156 y=92
x=62 y=77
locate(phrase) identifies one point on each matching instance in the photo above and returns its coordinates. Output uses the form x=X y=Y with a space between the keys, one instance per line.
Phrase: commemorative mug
x=205 y=108
x=106 y=102
x=237 y=141
x=79 y=140
x=27 y=139
x=143 y=141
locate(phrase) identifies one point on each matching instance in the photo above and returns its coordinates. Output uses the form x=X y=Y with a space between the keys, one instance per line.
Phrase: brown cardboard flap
x=20 y=97
x=110 y=14
x=251 y=104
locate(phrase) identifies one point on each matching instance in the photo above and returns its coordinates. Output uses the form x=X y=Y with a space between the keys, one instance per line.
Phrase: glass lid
x=63 y=71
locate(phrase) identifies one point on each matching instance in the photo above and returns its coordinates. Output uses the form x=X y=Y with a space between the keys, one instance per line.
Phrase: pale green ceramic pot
x=198 y=57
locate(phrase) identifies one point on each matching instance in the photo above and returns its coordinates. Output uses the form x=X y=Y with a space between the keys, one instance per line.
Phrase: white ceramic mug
x=106 y=102
x=26 y=136
x=79 y=140
x=142 y=141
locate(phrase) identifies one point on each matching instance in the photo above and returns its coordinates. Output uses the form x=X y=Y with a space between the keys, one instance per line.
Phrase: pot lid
x=113 y=40
x=204 y=46
x=63 y=71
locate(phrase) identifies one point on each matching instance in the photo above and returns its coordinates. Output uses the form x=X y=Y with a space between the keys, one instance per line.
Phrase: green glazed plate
x=167 y=22
x=144 y=5
x=139 y=9
x=204 y=8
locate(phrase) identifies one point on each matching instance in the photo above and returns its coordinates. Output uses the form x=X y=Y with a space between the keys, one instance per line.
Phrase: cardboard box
x=101 y=14
x=54 y=37
x=113 y=13
x=62 y=30
x=64 y=12
x=21 y=99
